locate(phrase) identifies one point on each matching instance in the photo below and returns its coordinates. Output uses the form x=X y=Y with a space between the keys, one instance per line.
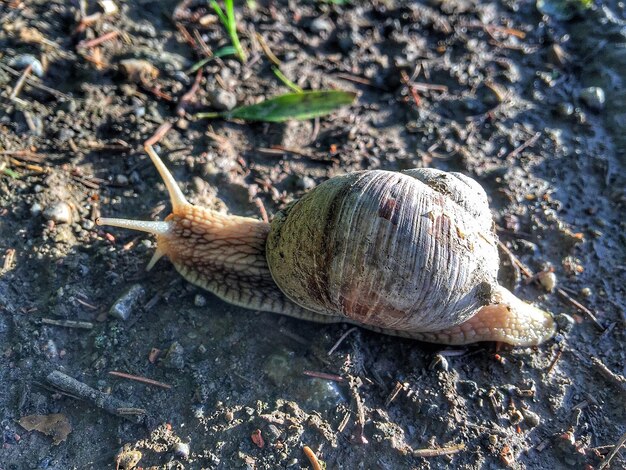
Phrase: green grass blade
x=221 y=52
x=220 y=13
x=11 y=173
x=229 y=21
x=306 y=105
x=299 y=106
x=232 y=29
x=283 y=78
x=224 y=51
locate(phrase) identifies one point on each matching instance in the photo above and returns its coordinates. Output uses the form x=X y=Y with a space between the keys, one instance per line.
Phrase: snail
x=409 y=253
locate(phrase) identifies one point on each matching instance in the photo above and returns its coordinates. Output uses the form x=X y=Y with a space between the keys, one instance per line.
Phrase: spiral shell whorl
x=412 y=251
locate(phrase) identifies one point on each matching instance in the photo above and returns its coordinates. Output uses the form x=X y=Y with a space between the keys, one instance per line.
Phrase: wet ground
x=495 y=90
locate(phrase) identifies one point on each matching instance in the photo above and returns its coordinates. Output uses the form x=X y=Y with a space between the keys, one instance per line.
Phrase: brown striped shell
x=402 y=251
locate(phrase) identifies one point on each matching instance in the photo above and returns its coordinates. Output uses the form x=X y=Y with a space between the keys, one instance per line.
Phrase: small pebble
x=222 y=100
x=586 y=292
x=181 y=449
x=273 y=431
x=122 y=180
x=182 y=124
x=139 y=111
x=181 y=77
x=65 y=134
x=175 y=358
x=565 y=109
x=135 y=178
x=593 y=97
x=305 y=183
x=60 y=213
x=516 y=417
x=431 y=410
x=547 y=280
x=565 y=322
x=467 y=388
x=321 y=25
x=128 y=302
x=108 y=6
x=22 y=61
x=35 y=209
x=198 y=411
x=346 y=41
x=557 y=56
x=199 y=300
x=531 y=418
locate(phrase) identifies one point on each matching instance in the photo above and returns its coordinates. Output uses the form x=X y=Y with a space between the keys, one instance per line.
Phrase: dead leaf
x=56 y=425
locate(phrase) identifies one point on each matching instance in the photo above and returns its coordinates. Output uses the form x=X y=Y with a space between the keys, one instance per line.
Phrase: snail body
x=411 y=254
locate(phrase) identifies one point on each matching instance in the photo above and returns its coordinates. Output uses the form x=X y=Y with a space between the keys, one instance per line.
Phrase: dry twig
x=34 y=83
x=85 y=325
x=607 y=373
x=74 y=388
x=138 y=378
x=394 y=393
x=530 y=142
x=438 y=451
x=323 y=375
x=97 y=41
x=340 y=340
x=315 y=465
x=259 y=204
x=20 y=83
x=158 y=135
x=558 y=355
x=614 y=452
x=580 y=307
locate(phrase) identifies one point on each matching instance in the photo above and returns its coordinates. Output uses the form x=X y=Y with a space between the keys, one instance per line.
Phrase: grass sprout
x=230 y=23
x=304 y=105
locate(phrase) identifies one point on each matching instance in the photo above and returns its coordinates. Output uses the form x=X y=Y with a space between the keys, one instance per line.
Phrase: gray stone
x=181 y=450
x=35 y=209
x=222 y=100
x=593 y=97
x=128 y=302
x=565 y=322
x=60 y=213
x=175 y=358
x=199 y=300
x=321 y=25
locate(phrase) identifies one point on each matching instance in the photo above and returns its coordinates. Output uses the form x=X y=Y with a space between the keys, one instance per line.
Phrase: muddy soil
x=495 y=90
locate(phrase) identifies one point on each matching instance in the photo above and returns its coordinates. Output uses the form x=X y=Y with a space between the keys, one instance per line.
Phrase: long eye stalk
x=156 y=227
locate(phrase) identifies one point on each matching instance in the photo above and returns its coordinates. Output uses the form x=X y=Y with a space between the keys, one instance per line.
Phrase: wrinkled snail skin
x=411 y=254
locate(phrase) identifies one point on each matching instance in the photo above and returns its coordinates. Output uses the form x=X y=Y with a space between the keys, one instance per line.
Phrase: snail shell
x=411 y=254
x=406 y=251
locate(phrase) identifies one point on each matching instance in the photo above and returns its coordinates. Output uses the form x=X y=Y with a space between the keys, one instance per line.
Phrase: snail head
x=164 y=230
